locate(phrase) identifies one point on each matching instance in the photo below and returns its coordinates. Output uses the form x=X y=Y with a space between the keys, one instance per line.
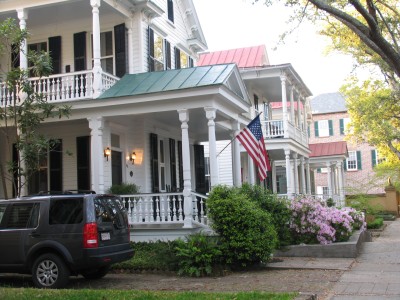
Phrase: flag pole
x=234 y=138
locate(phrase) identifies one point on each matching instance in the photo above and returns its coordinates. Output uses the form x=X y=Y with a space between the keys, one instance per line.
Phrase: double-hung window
x=376 y=158
x=353 y=162
x=344 y=125
x=156 y=52
x=106 y=51
x=323 y=128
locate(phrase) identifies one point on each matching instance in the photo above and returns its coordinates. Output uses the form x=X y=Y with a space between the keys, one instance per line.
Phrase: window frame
x=105 y=57
x=352 y=159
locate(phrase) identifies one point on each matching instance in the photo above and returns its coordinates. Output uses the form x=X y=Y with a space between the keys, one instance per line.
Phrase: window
x=353 y=162
x=2 y=210
x=37 y=47
x=344 y=125
x=376 y=158
x=207 y=172
x=323 y=128
x=24 y=215
x=156 y=51
x=182 y=60
x=106 y=52
x=162 y=165
x=171 y=10
x=66 y=211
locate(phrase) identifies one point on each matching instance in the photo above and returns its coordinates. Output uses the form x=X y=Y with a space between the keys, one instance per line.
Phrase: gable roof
x=328 y=103
x=177 y=79
x=328 y=149
x=243 y=57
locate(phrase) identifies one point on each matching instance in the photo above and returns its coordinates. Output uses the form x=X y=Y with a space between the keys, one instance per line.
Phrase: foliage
x=246 y=231
x=158 y=255
x=21 y=119
x=277 y=207
x=362 y=202
x=313 y=222
x=93 y=294
x=199 y=255
x=375 y=224
x=124 y=189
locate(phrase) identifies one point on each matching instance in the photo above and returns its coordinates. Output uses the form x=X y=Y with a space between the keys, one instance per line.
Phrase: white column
x=329 y=173
x=187 y=184
x=284 y=106
x=210 y=115
x=129 y=25
x=96 y=126
x=23 y=58
x=274 y=186
x=237 y=179
x=298 y=113
x=250 y=164
x=296 y=174
x=304 y=117
x=288 y=173
x=292 y=117
x=339 y=165
x=302 y=176
x=97 y=71
x=308 y=175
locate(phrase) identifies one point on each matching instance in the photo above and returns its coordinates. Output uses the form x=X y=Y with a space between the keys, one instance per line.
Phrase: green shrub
x=247 y=232
x=375 y=224
x=124 y=189
x=278 y=209
x=199 y=255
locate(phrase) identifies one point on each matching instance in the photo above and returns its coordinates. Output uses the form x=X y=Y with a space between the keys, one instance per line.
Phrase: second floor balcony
x=277 y=129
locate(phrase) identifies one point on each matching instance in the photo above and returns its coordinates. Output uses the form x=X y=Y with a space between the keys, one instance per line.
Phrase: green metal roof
x=170 y=80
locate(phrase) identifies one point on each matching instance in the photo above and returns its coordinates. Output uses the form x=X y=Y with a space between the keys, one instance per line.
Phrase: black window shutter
x=359 y=165
x=191 y=63
x=172 y=159
x=171 y=10
x=341 y=126
x=330 y=123
x=373 y=157
x=151 y=49
x=199 y=167
x=83 y=162
x=316 y=129
x=177 y=54
x=55 y=53
x=80 y=51
x=120 y=50
x=56 y=167
x=154 y=163
x=180 y=166
x=167 y=55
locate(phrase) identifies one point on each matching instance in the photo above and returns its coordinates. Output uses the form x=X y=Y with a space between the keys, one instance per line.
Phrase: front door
x=116 y=166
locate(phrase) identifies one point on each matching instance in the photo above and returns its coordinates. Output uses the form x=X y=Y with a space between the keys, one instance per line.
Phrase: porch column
x=97 y=71
x=329 y=173
x=129 y=25
x=274 y=187
x=250 y=164
x=302 y=176
x=339 y=165
x=284 y=106
x=211 y=114
x=292 y=116
x=304 y=117
x=308 y=174
x=296 y=174
x=298 y=113
x=96 y=126
x=23 y=54
x=237 y=179
x=187 y=184
x=288 y=173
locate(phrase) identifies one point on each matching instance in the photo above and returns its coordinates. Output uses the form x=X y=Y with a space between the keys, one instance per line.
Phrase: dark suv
x=53 y=237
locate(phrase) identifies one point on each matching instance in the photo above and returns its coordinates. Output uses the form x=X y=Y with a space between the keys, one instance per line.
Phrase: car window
x=110 y=210
x=2 y=210
x=66 y=211
x=23 y=215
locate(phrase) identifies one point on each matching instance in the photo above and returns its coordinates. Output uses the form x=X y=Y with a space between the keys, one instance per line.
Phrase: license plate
x=105 y=236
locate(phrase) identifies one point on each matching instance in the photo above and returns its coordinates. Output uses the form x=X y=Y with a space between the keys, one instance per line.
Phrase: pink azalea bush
x=314 y=222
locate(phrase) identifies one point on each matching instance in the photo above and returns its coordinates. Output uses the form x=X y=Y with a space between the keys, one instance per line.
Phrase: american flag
x=251 y=138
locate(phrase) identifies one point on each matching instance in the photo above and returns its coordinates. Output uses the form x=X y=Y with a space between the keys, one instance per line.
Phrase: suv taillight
x=90 y=236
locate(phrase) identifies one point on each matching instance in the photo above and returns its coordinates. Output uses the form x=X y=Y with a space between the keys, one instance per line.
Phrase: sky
x=230 y=24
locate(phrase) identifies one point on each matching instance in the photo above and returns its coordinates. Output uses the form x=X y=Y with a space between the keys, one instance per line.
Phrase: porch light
x=132 y=157
x=107 y=152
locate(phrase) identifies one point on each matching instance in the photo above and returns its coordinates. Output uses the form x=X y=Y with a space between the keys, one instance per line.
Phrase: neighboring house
x=329 y=126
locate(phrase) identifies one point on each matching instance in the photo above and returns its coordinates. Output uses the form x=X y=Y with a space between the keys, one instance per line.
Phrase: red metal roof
x=243 y=57
x=328 y=149
x=276 y=105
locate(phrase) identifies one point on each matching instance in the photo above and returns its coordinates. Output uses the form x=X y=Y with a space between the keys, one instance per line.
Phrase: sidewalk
x=376 y=271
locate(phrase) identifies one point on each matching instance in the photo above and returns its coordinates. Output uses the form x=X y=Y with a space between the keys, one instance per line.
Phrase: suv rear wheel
x=50 y=272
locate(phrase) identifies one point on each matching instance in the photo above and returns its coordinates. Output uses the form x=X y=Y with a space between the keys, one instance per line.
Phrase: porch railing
x=59 y=87
x=275 y=129
x=163 y=208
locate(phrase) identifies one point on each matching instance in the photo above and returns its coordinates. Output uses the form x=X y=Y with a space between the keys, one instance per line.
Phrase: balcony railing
x=59 y=87
x=163 y=208
x=276 y=129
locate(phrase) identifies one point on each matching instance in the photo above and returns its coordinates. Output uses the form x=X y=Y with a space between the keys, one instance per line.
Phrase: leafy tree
x=22 y=114
x=368 y=31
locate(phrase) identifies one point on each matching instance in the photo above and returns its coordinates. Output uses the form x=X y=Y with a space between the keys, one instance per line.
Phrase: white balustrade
x=163 y=208
x=59 y=87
